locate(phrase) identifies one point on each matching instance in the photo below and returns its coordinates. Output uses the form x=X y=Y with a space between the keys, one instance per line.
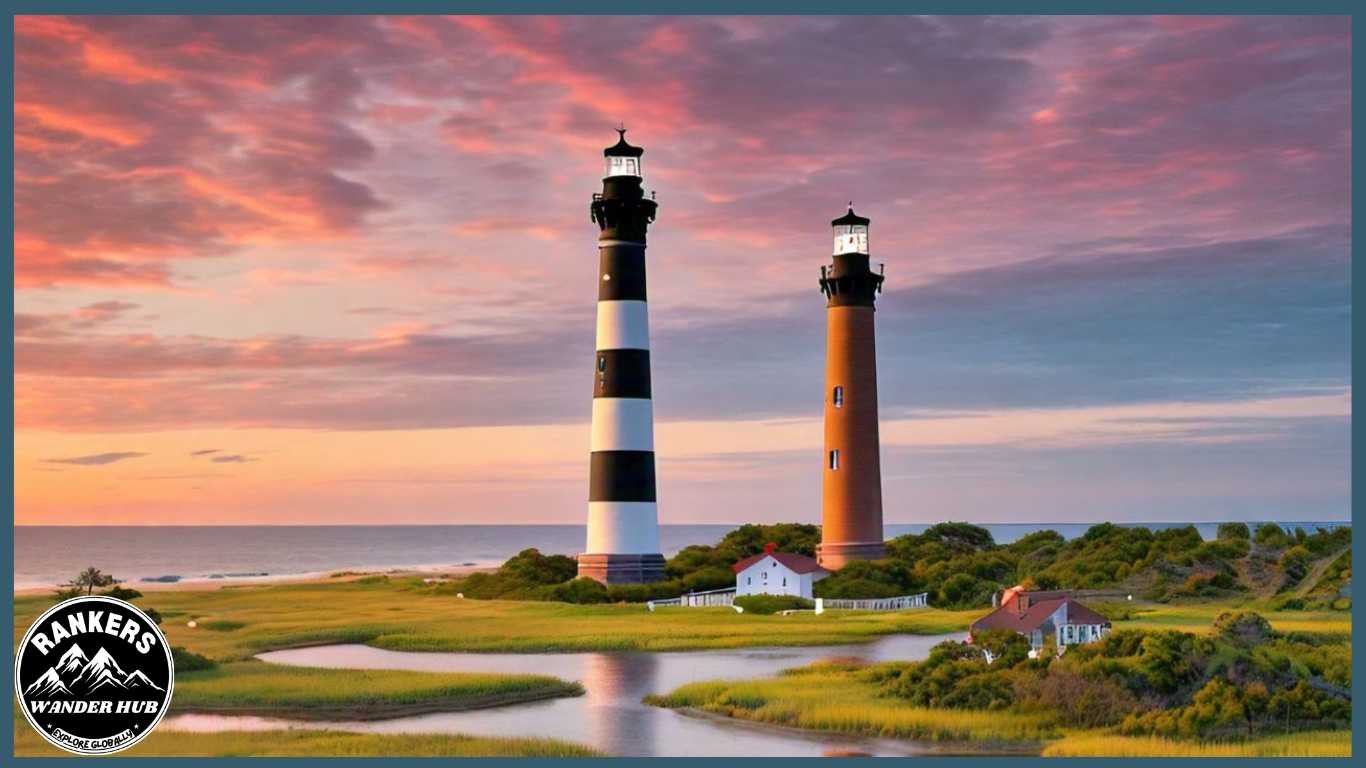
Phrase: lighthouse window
x=839 y=397
x=623 y=166
x=602 y=363
x=835 y=459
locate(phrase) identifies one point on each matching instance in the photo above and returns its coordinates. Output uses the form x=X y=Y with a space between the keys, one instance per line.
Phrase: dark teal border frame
x=631 y=7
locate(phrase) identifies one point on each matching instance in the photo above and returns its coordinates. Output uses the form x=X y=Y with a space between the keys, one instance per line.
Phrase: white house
x=777 y=573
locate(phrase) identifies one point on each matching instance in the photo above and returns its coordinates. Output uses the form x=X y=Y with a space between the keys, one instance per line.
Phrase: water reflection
x=615 y=684
x=610 y=715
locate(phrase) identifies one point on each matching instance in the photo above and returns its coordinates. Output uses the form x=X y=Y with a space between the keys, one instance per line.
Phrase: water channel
x=610 y=715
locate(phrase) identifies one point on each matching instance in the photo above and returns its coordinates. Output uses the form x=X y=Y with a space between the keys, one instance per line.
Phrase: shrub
x=1076 y=700
x=189 y=661
x=1294 y=563
x=1244 y=627
x=639 y=593
x=580 y=591
x=1007 y=647
x=1229 y=531
x=122 y=593
x=769 y=604
x=864 y=579
x=798 y=538
x=1270 y=536
x=531 y=567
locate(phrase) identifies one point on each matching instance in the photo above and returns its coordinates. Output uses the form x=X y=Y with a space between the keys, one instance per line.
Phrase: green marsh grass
x=1101 y=744
x=1197 y=617
x=404 y=614
x=840 y=699
x=307 y=692
x=308 y=743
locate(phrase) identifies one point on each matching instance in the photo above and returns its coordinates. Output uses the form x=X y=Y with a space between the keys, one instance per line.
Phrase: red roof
x=794 y=563
x=1009 y=617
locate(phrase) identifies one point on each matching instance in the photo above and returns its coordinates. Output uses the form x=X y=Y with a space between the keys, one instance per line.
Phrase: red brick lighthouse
x=851 y=493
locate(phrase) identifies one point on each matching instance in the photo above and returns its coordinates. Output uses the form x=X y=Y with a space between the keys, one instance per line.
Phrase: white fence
x=706 y=599
x=721 y=597
x=902 y=603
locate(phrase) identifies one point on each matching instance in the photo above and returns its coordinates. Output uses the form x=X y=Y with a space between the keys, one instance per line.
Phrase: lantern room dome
x=850 y=218
x=621 y=148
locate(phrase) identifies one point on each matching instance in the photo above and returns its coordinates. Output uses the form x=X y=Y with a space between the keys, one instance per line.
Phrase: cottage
x=1037 y=615
x=777 y=573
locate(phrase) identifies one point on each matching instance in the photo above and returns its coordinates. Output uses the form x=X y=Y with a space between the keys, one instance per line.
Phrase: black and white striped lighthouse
x=623 y=526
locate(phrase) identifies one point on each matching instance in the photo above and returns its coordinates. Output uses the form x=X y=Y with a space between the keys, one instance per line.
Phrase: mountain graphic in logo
x=75 y=675
x=48 y=686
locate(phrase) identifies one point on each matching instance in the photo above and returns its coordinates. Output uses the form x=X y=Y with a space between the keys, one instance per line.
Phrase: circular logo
x=94 y=675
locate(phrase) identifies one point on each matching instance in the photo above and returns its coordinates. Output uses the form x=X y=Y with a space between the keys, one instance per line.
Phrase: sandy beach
x=204 y=584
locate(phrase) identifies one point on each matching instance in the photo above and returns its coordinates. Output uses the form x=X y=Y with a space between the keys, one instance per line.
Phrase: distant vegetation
x=960 y=565
x=531 y=575
x=1241 y=681
x=769 y=604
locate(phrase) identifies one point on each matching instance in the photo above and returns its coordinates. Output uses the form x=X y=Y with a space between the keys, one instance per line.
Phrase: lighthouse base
x=622 y=569
x=833 y=557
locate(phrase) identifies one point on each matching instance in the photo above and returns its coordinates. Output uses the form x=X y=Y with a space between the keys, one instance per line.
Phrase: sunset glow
x=341 y=270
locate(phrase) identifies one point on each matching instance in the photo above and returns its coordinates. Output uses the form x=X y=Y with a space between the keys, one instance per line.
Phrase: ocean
x=49 y=555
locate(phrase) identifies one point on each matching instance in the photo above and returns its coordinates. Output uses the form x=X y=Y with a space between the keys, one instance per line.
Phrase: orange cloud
x=101 y=127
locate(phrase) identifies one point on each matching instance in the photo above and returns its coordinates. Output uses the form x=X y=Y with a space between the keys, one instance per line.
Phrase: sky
x=301 y=270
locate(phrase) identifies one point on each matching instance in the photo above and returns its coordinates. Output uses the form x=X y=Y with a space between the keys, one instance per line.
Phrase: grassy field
x=1197 y=617
x=831 y=699
x=1309 y=744
x=254 y=687
x=236 y=623
x=233 y=624
x=301 y=743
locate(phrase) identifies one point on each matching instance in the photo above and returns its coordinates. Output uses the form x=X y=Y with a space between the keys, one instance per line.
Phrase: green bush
x=1229 y=531
x=122 y=593
x=582 y=591
x=531 y=567
x=639 y=593
x=1270 y=536
x=1294 y=563
x=768 y=604
x=189 y=661
x=863 y=579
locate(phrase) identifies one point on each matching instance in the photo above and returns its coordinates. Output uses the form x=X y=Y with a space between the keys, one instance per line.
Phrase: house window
x=764 y=575
x=784 y=581
x=835 y=459
x=838 y=397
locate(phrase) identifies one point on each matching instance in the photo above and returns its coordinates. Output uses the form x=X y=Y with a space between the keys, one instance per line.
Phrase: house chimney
x=770 y=547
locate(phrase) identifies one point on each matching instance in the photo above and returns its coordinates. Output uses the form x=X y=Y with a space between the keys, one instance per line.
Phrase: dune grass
x=307 y=743
x=402 y=614
x=254 y=687
x=1306 y=744
x=833 y=698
